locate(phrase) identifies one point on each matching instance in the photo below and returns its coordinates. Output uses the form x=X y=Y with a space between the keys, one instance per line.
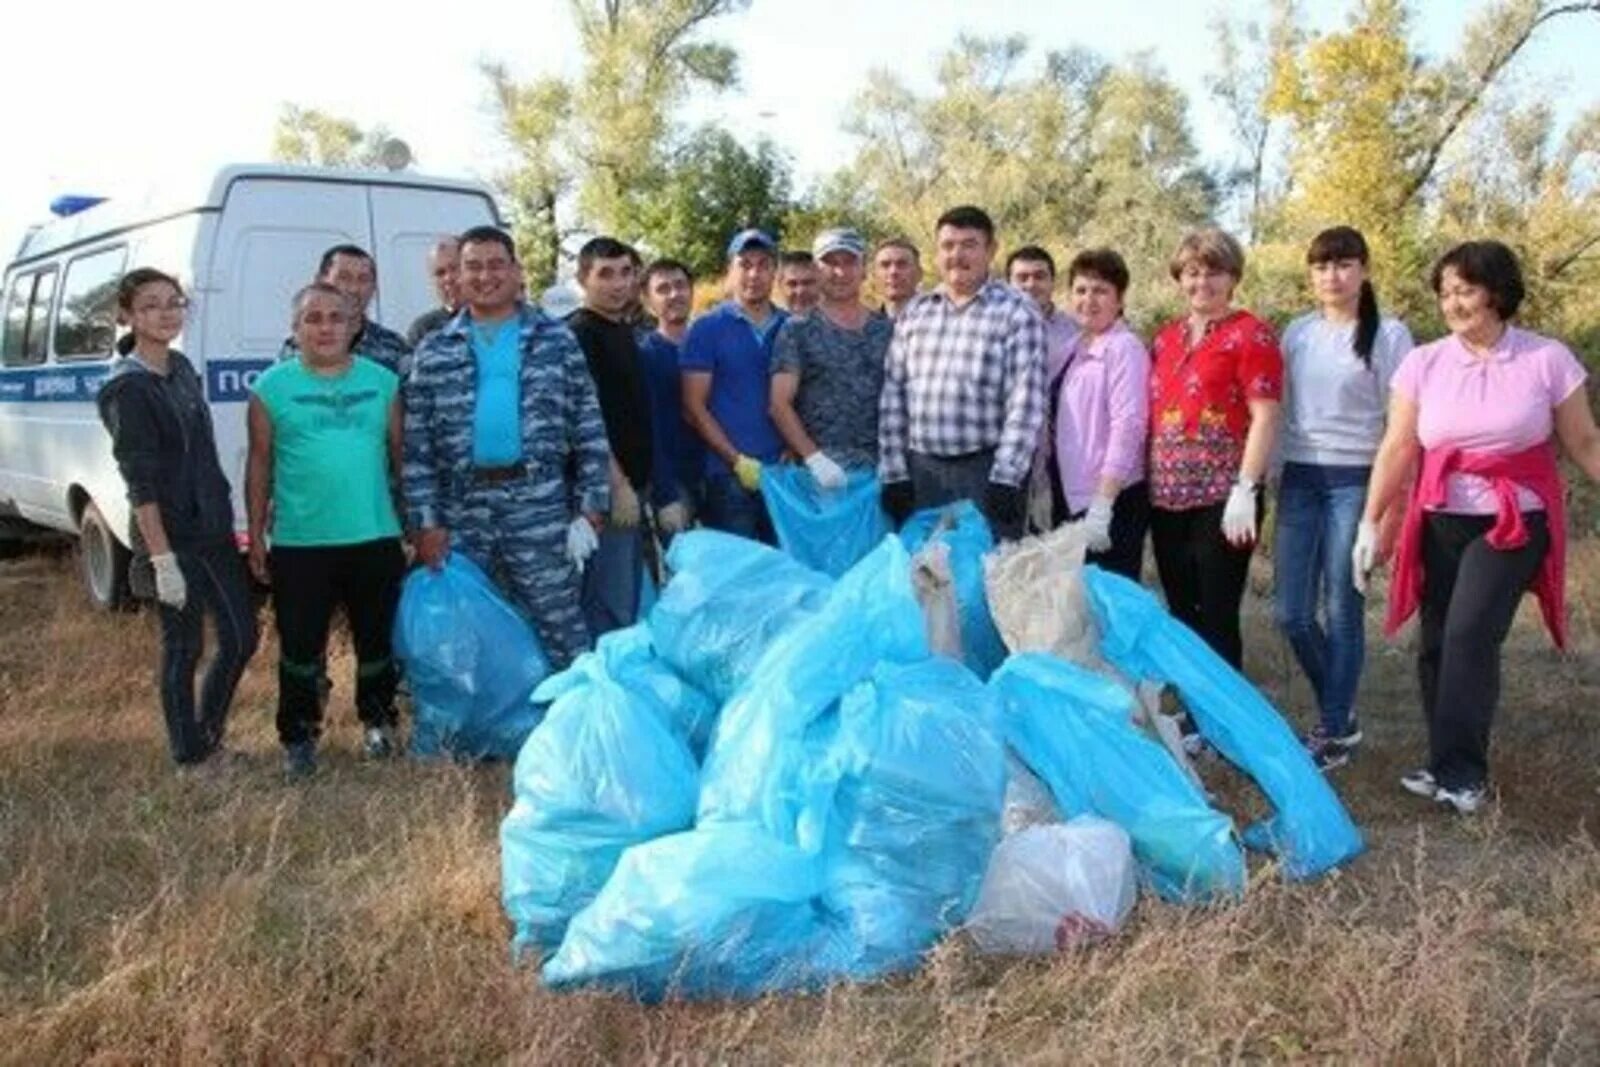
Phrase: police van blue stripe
x=227 y=381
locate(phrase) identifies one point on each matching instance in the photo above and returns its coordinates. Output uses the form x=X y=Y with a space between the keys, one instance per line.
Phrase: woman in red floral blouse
x=1214 y=390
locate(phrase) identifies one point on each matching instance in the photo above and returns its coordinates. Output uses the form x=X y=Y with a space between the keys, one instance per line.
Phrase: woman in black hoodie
x=154 y=406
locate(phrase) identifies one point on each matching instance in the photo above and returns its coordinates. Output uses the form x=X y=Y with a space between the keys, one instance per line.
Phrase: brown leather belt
x=499 y=475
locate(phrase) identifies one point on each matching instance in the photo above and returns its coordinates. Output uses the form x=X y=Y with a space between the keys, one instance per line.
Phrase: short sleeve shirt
x=1200 y=406
x=841 y=378
x=737 y=353
x=330 y=445
x=1502 y=402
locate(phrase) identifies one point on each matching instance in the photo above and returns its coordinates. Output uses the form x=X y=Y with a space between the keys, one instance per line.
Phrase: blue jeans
x=1319 y=509
x=731 y=508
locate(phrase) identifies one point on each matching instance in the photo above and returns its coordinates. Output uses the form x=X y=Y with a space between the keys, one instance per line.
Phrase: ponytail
x=125 y=343
x=1366 y=323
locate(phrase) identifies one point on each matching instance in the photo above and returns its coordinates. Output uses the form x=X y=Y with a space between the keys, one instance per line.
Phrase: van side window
x=28 y=318
x=86 y=321
x=16 y=324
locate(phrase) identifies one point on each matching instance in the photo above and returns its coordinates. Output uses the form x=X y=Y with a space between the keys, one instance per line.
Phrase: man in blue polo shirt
x=726 y=363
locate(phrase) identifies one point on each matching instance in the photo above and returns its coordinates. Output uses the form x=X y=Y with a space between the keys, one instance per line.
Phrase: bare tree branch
x=1492 y=69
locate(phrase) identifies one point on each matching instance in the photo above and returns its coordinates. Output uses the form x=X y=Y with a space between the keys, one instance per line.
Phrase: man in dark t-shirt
x=612 y=580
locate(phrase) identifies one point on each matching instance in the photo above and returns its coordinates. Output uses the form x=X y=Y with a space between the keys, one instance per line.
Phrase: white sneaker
x=1466 y=801
x=1421 y=782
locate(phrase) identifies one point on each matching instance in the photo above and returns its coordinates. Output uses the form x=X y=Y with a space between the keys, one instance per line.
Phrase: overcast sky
x=106 y=97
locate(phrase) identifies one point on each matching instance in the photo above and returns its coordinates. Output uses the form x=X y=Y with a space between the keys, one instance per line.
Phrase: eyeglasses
x=180 y=303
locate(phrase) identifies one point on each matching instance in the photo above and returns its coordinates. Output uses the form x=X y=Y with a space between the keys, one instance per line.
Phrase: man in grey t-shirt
x=828 y=368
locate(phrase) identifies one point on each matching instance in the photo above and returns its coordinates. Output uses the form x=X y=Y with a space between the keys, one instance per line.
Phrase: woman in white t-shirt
x=1337 y=364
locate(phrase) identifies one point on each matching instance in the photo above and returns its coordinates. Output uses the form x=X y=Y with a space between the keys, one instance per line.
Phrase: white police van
x=241 y=245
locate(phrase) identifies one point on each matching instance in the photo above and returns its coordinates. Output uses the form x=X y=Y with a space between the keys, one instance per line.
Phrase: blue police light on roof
x=72 y=203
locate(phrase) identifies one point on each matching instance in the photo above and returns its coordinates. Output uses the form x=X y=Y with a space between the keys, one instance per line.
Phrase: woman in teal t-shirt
x=324 y=449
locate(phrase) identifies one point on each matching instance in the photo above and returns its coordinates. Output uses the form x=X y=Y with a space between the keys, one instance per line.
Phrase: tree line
x=1072 y=149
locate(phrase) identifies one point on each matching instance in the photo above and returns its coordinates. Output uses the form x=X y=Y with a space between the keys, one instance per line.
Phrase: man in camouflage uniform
x=506 y=458
x=351 y=270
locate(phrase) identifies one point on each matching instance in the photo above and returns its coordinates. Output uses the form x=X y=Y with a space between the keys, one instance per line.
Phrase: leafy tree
x=1369 y=122
x=595 y=152
x=713 y=186
x=311 y=136
x=1074 y=152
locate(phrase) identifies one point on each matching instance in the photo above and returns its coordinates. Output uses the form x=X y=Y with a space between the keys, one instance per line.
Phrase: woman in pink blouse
x=1476 y=413
x=1101 y=411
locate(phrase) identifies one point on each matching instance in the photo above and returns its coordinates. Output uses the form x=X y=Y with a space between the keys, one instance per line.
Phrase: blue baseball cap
x=745 y=240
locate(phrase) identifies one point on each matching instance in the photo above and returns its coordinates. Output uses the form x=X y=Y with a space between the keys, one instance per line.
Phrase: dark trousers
x=613 y=579
x=307 y=585
x=1203 y=575
x=1130 y=520
x=1470 y=593
x=940 y=480
x=217 y=585
x=732 y=508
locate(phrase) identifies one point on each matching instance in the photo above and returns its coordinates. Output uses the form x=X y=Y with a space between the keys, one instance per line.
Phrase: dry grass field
x=147 y=917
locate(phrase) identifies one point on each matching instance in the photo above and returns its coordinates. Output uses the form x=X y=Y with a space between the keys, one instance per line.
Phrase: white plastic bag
x=934 y=584
x=1037 y=597
x=1049 y=888
x=1028 y=800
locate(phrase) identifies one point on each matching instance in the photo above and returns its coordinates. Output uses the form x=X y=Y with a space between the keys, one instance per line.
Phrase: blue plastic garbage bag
x=471 y=662
x=1310 y=830
x=827 y=530
x=718 y=911
x=627 y=657
x=602 y=772
x=771 y=732
x=963 y=527
x=1074 y=730
x=728 y=598
x=921 y=785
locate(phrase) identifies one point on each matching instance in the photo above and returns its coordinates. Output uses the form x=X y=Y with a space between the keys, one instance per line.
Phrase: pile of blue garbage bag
x=772 y=783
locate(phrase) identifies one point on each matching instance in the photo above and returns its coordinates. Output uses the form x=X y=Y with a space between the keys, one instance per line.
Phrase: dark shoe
x=300 y=760
x=1330 y=755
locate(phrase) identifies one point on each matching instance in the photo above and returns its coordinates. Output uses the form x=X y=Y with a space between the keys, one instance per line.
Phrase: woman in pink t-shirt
x=1475 y=413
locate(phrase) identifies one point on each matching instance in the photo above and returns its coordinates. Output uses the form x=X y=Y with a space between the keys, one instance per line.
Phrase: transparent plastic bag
x=1036 y=594
x=963 y=528
x=602 y=772
x=1310 y=830
x=628 y=658
x=728 y=599
x=1075 y=730
x=1055 y=886
x=827 y=530
x=470 y=660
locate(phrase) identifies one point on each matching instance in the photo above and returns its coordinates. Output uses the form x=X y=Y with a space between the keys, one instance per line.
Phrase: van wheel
x=104 y=562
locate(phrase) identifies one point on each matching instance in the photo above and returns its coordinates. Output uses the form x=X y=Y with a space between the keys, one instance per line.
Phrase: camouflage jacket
x=562 y=434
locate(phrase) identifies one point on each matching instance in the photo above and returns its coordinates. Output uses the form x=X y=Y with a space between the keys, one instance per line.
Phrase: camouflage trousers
x=516 y=532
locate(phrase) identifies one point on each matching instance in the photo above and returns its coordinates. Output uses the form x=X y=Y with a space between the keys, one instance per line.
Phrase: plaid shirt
x=963 y=379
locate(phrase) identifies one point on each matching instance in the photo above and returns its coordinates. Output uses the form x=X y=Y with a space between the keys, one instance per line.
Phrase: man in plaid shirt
x=963 y=391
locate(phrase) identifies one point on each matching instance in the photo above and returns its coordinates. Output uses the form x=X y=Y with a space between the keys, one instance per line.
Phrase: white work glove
x=829 y=475
x=582 y=542
x=1364 y=556
x=1239 y=516
x=171 y=589
x=674 y=518
x=624 y=505
x=1097 y=524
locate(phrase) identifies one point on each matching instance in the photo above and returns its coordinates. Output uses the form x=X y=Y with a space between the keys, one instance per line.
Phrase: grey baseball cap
x=839 y=239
